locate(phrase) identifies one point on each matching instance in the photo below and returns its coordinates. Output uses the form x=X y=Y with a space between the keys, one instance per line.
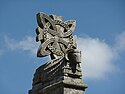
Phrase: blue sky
x=101 y=37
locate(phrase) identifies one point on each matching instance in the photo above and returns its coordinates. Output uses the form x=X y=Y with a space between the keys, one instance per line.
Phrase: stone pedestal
x=58 y=78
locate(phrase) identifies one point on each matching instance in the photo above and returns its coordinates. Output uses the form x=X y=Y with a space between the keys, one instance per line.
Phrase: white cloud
x=26 y=44
x=120 y=42
x=97 y=56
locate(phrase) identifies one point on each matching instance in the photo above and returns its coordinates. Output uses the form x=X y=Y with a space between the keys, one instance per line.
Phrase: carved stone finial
x=55 y=36
x=61 y=75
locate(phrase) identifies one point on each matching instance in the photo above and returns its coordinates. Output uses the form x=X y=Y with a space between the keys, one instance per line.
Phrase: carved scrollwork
x=55 y=35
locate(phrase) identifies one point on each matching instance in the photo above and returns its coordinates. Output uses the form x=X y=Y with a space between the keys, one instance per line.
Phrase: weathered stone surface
x=62 y=75
x=58 y=78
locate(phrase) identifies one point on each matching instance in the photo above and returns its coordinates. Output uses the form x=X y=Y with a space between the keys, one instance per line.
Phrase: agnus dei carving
x=61 y=75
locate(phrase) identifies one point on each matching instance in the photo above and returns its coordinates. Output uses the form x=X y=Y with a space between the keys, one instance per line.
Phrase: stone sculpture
x=62 y=75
